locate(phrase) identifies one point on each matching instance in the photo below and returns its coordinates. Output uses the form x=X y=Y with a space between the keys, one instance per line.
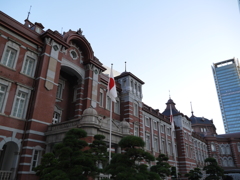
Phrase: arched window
x=213 y=147
x=228 y=149
x=230 y=162
x=225 y=164
x=222 y=149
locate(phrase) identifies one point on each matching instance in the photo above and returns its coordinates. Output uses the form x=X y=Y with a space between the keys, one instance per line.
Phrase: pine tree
x=68 y=161
x=98 y=149
x=194 y=174
x=130 y=165
x=162 y=167
x=213 y=170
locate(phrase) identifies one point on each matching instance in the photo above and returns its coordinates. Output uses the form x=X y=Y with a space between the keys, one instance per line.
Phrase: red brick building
x=52 y=82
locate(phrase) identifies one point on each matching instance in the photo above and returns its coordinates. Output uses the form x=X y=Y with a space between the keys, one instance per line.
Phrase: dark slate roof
x=229 y=135
x=166 y=112
x=123 y=74
x=200 y=120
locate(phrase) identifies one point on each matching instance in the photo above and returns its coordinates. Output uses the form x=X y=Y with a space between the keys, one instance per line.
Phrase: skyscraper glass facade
x=227 y=81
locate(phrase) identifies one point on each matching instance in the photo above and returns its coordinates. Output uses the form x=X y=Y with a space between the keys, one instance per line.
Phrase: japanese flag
x=112 y=92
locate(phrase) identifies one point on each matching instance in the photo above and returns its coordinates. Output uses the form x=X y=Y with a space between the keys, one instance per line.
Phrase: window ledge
x=58 y=99
x=2 y=114
x=27 y=75
x=16 y=118
x=7 y=67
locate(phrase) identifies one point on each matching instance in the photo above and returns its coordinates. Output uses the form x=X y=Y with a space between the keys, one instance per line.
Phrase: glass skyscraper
x=227 y=81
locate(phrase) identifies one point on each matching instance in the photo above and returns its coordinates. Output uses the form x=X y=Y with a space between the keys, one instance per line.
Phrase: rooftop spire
x=169 y=95
x=191 y=108
x=125 y=66
x=29 y=12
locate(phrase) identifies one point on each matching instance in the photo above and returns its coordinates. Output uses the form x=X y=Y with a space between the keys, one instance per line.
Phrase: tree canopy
x=162 y=167
x=213 y=170
x=69 y=161
x=129 y=165
x=194 y=174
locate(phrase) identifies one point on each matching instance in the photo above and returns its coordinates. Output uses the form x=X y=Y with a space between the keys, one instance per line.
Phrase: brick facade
x=52 y=82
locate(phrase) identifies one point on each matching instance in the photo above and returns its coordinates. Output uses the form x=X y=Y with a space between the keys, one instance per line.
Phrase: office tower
x=226 y=75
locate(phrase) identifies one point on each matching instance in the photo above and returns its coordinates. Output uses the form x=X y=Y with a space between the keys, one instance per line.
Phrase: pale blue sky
x=168 y=44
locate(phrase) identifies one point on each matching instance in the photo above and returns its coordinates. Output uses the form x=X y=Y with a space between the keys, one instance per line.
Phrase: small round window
x=73 y=54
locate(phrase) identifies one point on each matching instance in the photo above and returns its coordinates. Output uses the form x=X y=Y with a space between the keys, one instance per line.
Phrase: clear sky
x=168 y=44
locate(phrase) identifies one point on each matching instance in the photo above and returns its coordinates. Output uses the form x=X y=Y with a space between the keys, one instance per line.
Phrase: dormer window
x=38 y=30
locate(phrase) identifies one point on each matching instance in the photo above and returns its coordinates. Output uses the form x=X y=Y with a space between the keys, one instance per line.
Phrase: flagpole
x=112 y=94
x=110 y=132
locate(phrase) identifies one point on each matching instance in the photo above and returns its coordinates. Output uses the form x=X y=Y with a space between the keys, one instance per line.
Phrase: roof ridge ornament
x=79 y=31
x=191 y=108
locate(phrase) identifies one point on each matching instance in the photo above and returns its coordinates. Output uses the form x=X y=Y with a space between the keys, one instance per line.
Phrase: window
x=162 y=129
x=10 y=54
x=135 y=109
x=60 y=88
x=75 y=93
x=108 y=103
x=132 y=86
x=191 y=152
x=147 y=142
x=101 y=97
x=168 y=131
x=230 y=162
x=56 y=118
x=222 y=149
x=20 y=102
x=73 y=54
x=187 y=151
x=163 y=146
x=170 y=148
x=139 y=90
x=9 y=57
x=156 y=144
x=4 y=89
x=213 y=147
x=136 y=130
x=57 y=115
x=124 y=83
x=29 y=64
x=155 y=125
x=238 y=146
x=228 y=149
x=224 y=162
x=117 y=106
x=36 y=157
x=147 y=121
x=176 y=150
x=136 y=89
